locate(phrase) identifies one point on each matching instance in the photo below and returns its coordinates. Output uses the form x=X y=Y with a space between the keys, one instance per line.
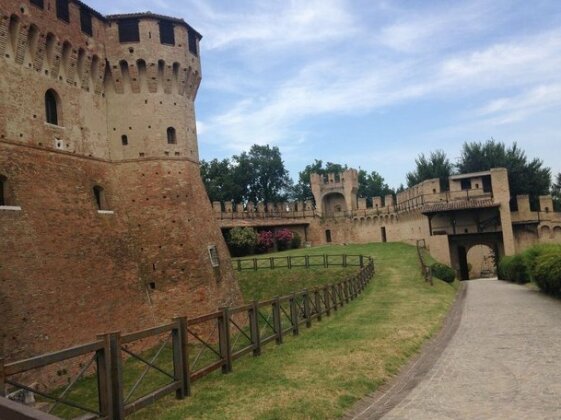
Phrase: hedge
x=443 y=272
x=515 y=269
x=547 y=273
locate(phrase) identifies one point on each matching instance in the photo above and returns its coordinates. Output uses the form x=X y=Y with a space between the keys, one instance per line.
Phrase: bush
x=265 y=241
x=284 y=239
x=547 y=273
x=296 y=240
x=514 y=269
x=531 y=254
x=242 y=241
x=443 y=272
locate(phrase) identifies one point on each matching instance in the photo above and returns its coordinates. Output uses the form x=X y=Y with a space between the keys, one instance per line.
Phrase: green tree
x=436 y=165
x=263 y=173
x=217 y=175
x=372 y=185
x=524 y=177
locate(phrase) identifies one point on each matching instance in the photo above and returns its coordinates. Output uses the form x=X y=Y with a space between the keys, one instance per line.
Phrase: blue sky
x=373 y=83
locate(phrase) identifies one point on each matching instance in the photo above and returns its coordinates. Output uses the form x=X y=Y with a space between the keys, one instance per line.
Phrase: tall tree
x=436 y=165
x=525 y=177
x=218 y=177
x=263 y=171
x=372 y=185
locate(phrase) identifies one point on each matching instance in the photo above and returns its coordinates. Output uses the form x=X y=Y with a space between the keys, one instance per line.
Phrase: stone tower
x=104 y=220
x=335 y=192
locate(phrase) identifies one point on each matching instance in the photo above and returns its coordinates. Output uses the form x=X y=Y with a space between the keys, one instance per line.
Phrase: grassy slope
x=327 y=368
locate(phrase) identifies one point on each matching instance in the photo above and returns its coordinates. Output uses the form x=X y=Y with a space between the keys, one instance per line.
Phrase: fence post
x=271 y=263
x=325 y=263
x=224 y=340
x=289 y=262
x=110 y=376
x=317 y=299
x=326 y=299
x=277 y=322
x=334 y=295
x=294 y=314
x=361 y=258
x=307 y=261
x=341 y=294
x=254 y=322
x=181 y=358
x=306 y=298
x=344 y=260
x=255 y=264
x=2 y=378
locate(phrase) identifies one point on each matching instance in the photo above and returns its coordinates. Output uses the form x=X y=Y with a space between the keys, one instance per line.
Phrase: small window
x=328 y=236
x=124 y=140
x=51 y=107
x=213 y=254
x=38 y=3
x=167 y=35
x=466 y=184
x=128 y=30
x=3 y=191
x=86 y=21
x=172 y=139
x=62 y=11
x=192 y=41
x=99 y=195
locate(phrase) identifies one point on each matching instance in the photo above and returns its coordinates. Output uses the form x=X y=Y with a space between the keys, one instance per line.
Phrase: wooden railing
x=298 y=261
x=426 y=270
x=196 y=347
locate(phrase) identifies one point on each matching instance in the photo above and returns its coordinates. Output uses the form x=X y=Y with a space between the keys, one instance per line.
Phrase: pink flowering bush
x=284 y=239
x=265 y=241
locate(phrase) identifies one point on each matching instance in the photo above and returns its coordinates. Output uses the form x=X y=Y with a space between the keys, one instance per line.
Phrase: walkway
x=503 y=362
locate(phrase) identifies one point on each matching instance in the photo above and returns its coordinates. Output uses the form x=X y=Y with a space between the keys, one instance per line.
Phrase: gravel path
x=502 y=362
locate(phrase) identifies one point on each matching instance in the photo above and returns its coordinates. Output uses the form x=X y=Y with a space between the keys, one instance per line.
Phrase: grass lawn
x=322 y=372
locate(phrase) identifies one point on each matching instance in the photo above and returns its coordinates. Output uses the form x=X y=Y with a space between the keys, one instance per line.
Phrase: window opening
x=172 y=138
x=129 y=31
x=38 y=3
x=99 y=195
x=51 y=107
x=124 y=140
x=62 y=11
x=466 y=184
x=213 y=254
x=167 y=35
x=86 y=21
x=192 y=41
x=328 y=236
x=3 y=190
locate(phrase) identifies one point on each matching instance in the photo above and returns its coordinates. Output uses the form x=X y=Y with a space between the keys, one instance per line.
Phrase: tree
x=556 y=192
x=524 y=177
x=372 y=185
x=262 y=171
x=220 y=181
x=437 y=165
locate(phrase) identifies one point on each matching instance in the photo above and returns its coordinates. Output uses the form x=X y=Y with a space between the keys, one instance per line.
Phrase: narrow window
x=167 y=35
x=466 y=184
x=128 y=30
x=3 y=190
x=172 y=139
x=124 y=140
x=38 y=3
x=328 y=236
x=86 y=21
x=99 y=195
x=192 y=41
x=213 y=254
x=62 y=11
x=51 y=107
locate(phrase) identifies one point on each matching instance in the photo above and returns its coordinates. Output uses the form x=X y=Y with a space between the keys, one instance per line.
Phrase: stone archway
x=461 y=247
x=334 y=203
x=481 y=261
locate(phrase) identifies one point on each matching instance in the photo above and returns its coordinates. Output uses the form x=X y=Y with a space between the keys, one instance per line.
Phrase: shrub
x=514 y=268
x=443 y=272
x=242 y=241
x=547 y=273
x=284 y=239
x=531 y=254
x=296 y=240
x=265 y=241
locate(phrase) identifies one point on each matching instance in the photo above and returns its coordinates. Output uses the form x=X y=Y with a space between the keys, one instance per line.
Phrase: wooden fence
x=198 y=346
x=426 y=270
x=298 y=261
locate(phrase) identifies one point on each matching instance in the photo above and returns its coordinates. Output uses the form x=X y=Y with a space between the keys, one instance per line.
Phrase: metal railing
x=196 y=347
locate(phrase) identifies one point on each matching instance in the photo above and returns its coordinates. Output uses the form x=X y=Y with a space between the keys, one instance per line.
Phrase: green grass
x=322 y=372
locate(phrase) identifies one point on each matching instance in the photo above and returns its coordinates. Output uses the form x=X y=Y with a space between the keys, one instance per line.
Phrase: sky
x=373 y=83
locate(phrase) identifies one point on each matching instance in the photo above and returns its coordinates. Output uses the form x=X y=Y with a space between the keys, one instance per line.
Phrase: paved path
x=503 y=362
